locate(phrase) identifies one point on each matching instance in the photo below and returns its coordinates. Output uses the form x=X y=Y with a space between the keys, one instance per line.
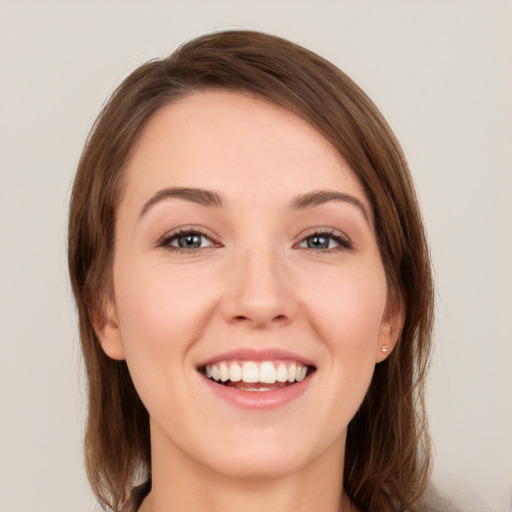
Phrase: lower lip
x=259 y=399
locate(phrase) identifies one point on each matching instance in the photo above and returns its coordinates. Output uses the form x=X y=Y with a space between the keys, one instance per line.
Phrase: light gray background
x=441 y=72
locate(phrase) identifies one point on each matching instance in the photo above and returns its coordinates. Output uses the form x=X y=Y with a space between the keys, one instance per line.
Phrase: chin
x=261 y=459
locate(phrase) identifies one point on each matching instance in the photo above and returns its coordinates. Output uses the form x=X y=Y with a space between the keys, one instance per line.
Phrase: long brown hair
x=387 y=450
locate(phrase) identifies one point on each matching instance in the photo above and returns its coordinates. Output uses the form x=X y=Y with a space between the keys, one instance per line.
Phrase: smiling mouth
x=256 y=376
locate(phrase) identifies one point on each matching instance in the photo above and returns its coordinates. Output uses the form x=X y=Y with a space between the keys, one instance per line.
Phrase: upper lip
x=251 y=354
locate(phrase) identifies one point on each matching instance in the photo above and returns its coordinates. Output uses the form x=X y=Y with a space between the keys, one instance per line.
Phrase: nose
x=259 y=290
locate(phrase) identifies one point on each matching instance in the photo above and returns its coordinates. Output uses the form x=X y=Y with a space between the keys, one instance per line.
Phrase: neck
x=181 y=483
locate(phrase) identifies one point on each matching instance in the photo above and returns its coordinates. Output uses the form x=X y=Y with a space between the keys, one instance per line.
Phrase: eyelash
x=165 y=242
x=343 y=242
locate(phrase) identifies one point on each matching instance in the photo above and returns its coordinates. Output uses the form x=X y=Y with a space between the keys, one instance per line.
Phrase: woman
x=253 y=288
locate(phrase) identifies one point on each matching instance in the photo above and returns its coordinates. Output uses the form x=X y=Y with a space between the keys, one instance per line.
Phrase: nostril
x=260 y=321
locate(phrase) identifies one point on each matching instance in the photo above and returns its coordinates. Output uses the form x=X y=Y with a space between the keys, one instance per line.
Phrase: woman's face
x=245 y=250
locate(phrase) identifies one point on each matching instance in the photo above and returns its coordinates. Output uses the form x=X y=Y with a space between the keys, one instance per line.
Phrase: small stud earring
x=385 y=349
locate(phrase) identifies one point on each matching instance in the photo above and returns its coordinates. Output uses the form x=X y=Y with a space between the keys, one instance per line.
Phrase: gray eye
x=318 y=242
x=325 y=242
x=190 y=241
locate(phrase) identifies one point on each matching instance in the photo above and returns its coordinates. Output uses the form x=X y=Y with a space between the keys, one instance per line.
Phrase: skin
x=254 y=283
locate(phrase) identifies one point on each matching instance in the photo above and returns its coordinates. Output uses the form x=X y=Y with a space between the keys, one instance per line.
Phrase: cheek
x=347 y=309
x=348 y=319
x=158 y=308
x=161 y=315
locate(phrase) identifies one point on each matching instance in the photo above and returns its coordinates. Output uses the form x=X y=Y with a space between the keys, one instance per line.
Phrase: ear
x=390 y=328
x=106 y=327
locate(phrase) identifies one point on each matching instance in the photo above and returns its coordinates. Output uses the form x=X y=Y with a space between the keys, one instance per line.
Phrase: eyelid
x=164 y=241
x=343 y=240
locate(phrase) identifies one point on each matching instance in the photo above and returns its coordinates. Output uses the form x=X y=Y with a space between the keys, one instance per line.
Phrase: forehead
x=238 y=144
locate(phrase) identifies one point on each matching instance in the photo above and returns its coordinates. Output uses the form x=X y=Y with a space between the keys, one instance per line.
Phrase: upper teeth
x=250 y=371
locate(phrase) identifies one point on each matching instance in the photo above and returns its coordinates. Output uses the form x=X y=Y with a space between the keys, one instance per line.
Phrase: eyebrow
x=318 y=197
x=196 y=195
x=209 y=198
